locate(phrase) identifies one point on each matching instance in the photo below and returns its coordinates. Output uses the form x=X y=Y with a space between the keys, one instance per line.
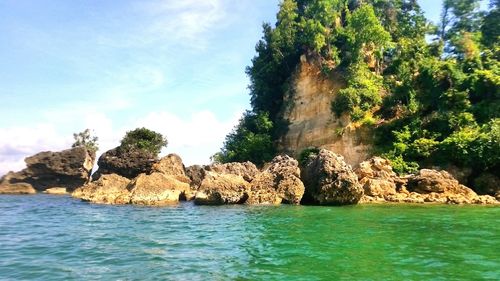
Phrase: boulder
x=69 y=168
x=157 y=189
x=196 y=174
x=219 y=189
x=56 y=191
x=108 y=189
x=128 y=163
x=278 y=183
x=441 y=187
x=377 y=177
x=247 y=170
x=330 y=180
x=17 y=188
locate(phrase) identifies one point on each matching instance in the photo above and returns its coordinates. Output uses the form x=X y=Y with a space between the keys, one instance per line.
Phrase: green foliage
x=306 y=154
x=249 y=141
x=145 y=140
x=432 y=103
x=86 y=140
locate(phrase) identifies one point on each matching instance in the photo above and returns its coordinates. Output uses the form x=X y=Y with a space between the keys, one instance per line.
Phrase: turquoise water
x=47 y=237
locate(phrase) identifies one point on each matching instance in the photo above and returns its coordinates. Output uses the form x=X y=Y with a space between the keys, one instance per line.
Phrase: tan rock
x=279 y=183
x=56 y=191
x=17 y=188
x=156 y=189
x=108 y=189
x=219 y=189
x=311 y=123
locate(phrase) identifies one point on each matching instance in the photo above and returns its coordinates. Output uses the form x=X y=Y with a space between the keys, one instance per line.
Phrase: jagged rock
x=69 y=168
x=17 y=188
x=487 y=184
x=219 y=189
x=56 y=191
x=127 y=163
x=196 y=174
x=108 y=189
x=156 y=189
x=377 y=177
x=330 y=180
x=279 y=182
x=247 y=170
x=427 y=181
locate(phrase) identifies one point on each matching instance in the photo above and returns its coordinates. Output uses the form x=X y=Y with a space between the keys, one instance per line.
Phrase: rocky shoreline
x=323 y=179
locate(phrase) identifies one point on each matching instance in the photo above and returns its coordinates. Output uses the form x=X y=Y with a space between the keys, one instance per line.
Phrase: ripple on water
x=47 y=237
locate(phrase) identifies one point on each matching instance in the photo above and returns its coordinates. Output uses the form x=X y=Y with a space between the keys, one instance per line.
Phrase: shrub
x=86 y=140
x=144 y=139
x=306 y=153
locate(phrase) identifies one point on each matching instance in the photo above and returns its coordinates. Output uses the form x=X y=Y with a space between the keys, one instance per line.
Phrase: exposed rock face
x=126 y=163
x=247 y=170
x=377 y=178
x=56 y=191
x=197 y=173
x=431 y=186
x=330 y=180
x=219 y=189
x=17 y=188
x=165 y=184
x=108 y=189
x=156 y=189
x=312 y=122
x=68 y=168
x=279 y=183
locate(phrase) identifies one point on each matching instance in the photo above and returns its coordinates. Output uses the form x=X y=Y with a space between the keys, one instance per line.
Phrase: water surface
x=44 y=237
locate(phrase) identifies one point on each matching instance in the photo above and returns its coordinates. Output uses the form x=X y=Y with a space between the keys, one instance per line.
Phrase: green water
x=46 y=237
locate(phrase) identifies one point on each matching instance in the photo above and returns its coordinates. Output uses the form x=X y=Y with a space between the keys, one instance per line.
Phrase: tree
x=145 y=140
x=86 y=140
x=249 y=141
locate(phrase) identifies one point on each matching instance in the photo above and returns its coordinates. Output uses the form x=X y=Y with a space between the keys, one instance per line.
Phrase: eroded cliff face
x=307 y=108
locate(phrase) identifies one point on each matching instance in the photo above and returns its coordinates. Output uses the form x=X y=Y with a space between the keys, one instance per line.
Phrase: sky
x=176 y=67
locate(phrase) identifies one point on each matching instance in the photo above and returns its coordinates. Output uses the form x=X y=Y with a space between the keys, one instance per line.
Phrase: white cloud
x=186 y=21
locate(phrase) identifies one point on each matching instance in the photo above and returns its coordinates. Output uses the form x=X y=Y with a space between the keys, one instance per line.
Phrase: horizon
x=174 y=67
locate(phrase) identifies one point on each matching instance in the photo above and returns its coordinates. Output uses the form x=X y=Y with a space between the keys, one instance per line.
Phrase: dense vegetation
x=87 y=140
x=432 y=90
x=145 y=140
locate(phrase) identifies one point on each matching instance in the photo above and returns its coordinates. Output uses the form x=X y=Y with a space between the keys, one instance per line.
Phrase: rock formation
x=17 y=188
x=108 y=189
x=220 y=188
x=156 y=189
x=165 y=183
x=56 y=191
x=278 y=183
x=127 y=163
x=68 y=168
x=246 y=170
x=377 y=177
x=329 y=180
x=311 y=122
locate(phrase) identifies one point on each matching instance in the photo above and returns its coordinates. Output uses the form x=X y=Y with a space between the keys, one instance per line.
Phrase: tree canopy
x=434 y=90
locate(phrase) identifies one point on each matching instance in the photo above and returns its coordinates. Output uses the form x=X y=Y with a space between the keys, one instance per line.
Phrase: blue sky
x=173 y=66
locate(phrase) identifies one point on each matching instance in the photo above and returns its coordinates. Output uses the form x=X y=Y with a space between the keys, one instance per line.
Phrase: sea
x=46 y=237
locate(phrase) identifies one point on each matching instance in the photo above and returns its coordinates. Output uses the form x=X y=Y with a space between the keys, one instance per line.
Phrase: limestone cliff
x=307 y=108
